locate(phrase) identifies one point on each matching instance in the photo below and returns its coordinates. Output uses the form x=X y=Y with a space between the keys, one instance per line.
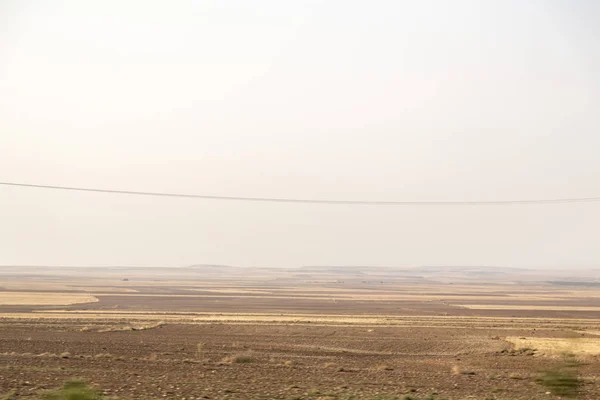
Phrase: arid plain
x=218 y=332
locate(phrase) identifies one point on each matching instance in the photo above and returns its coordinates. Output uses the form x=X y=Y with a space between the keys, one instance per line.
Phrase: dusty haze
x=394 y=100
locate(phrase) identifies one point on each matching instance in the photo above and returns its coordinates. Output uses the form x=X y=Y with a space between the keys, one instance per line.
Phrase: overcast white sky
x=380 y=100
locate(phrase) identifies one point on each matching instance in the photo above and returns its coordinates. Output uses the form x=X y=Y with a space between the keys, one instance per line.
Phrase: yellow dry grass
x=61 y=287
x=527 y=307
x=44 y=299
x=109 y=289
x=450 y=300
x=595 y=333
x=558 y=346
x=231 y=291
x=115 y=317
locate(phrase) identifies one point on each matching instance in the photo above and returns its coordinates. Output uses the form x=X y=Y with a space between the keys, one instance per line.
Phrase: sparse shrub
x=9 y=396
x=407 y=397
x=527 y=351
x=200 y=349
x=159 y=324
x=103 y=355
x=123 y=328
x=73 y=390
x=456 y=370
x=130 y=327
x=192 y=361
x=245 y=358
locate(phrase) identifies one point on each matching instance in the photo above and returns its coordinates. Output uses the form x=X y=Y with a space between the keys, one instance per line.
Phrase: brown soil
x=289 y=337
x=287 y=361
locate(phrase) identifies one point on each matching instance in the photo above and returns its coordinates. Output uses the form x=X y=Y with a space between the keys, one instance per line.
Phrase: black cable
x=311 y=201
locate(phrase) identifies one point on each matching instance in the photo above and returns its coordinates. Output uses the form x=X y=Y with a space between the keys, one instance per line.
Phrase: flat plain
x=218 y=332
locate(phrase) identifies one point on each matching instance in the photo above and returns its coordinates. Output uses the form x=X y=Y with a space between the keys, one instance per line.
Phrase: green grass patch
x=73 y=390
x=563 y=380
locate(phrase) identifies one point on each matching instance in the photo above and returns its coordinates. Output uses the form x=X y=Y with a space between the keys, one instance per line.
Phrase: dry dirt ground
x=279 y=337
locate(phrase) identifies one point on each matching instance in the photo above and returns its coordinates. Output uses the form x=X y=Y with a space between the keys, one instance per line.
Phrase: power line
x=311 y=201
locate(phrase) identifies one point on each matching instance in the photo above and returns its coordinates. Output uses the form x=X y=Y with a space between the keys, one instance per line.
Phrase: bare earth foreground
x=216 y=332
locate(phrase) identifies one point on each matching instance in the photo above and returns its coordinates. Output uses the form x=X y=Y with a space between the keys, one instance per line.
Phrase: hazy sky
x=380 y=100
